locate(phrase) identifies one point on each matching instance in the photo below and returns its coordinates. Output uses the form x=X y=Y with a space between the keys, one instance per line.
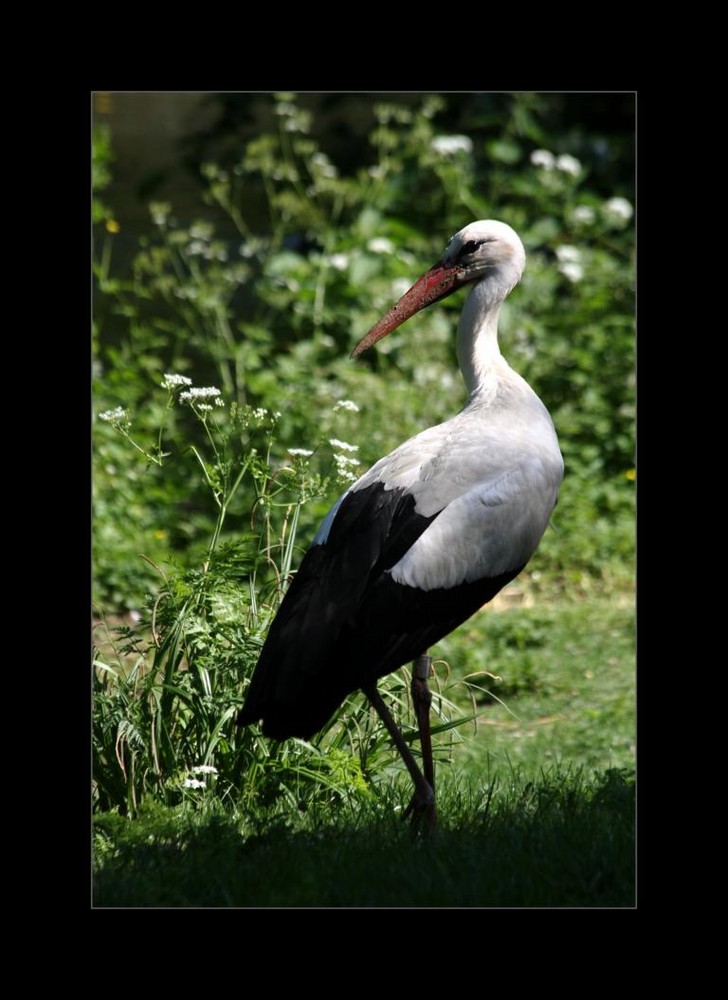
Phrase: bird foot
x=423 y=811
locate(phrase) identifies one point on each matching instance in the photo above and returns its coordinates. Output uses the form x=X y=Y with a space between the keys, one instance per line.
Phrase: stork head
x=485 y=250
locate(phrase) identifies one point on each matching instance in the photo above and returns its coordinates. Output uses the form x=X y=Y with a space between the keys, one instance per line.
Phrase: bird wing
x=372 y=529
x=486 y=531
x=412 y=549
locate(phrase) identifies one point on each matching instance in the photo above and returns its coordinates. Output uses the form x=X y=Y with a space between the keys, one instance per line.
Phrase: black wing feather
x=344 y=622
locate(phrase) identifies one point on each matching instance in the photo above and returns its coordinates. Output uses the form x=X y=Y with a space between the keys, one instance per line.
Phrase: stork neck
x=477 y=345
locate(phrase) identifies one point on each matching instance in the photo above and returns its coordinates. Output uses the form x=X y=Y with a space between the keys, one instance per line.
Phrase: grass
x=536 y=807
x=566 y=686
x=563 y=841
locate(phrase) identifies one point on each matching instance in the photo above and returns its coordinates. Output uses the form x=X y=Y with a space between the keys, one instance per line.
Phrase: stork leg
x=422 y=807
x=422 y=700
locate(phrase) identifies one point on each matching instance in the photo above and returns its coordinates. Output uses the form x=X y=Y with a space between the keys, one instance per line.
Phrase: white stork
x=428 y=535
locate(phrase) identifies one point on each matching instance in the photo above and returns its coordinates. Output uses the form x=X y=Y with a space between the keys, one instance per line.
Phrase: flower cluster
x=117 y=417
x=339 y=261
x=570 y=263
x=619 y=209
x=449 y=145
x=197 y=782
x=194 y=397
x=323 y=165
x=380 y=244
x=175 y=381
x=345 y=463
x=566 y=163
x=293 y=118
x=583 y=215
x=160 y=212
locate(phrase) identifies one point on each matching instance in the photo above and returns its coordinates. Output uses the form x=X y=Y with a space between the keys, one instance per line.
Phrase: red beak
x=436 y=284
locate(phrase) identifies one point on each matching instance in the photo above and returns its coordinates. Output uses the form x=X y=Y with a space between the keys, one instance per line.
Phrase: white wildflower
x=345 y=460
x=376 y=171
x=204 y=769
x=568 y=254
x=260 y=413
x=344 y=467
x=584 y=214
x=568 y=164
x=339 y=261
x=284 y=109
x=174 y=381
x=324 y=165
x=219 y=401
x=204 y=408
x=619 y=208
x=572 y=270
x=449 y=145
x=193 y=783
x=114 y=416
x=160 y=212
x=570 y=265
x=277 y=414
x=380 y=244
x=543 y=158
x=346 y=404
x=335 y=443
x=196 y=248
x=302 y=452
x=192 y=395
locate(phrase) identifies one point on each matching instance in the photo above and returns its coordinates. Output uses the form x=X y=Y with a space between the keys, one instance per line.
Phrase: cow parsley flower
x=193 y=395
x=339 y=261
x=568 y=164
x=175 y=381
x=117 y=416
x=204 y=769
x=573 y=271
x=346 y=404
x=619 y=208
x=193 y=783
x=570 y=262
x=543 y=158
x=449 y=145
x=583 y=214
x=568 y=254
x=335 y=443
x=160 y=211
x=345 y=465
x=300 y=452
x=380 y=244
x=324 y=165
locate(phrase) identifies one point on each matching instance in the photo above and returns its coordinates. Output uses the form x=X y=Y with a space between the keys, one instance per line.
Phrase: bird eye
x=471 y=246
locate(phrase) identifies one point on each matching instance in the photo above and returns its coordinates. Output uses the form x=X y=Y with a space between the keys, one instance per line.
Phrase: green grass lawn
x=536 y=803
x=566 y=687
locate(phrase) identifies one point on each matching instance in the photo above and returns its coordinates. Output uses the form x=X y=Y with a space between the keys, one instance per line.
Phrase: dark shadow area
x=547 y=844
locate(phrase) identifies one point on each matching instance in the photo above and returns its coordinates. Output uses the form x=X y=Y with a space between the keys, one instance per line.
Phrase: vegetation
x=229 y=417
